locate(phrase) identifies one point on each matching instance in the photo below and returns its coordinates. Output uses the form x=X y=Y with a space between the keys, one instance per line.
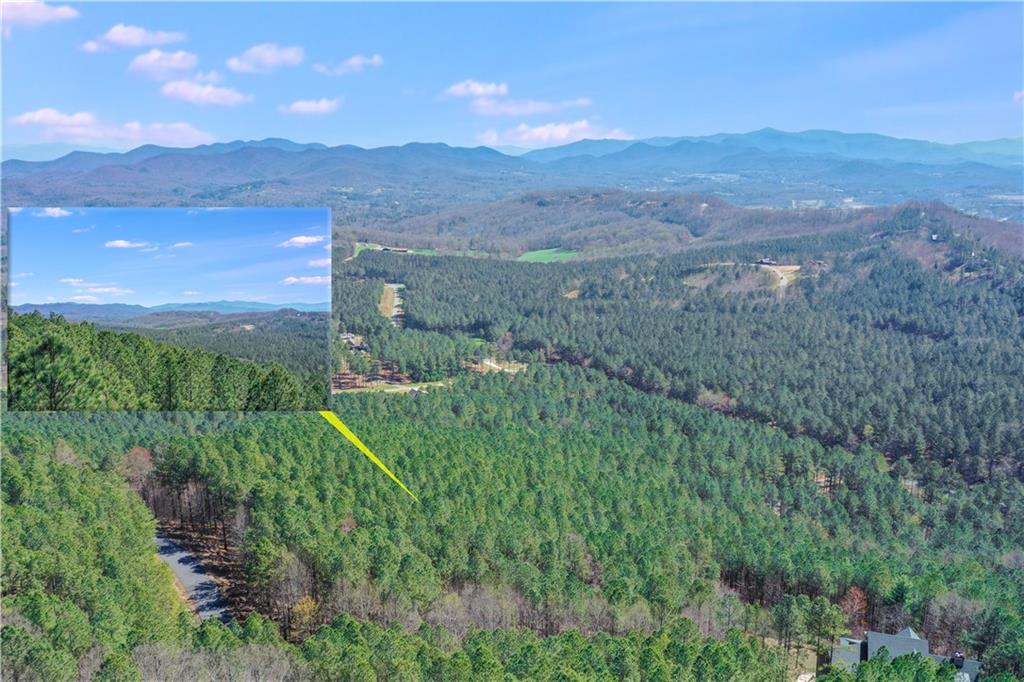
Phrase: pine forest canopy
x=700 y=473
x=59 y=365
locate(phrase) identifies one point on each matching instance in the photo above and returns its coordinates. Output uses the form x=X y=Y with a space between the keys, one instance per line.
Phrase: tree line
x=58 y=365
x=296 y=340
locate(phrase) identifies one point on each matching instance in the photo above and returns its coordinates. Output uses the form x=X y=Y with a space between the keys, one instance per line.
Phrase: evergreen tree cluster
x=58 y=365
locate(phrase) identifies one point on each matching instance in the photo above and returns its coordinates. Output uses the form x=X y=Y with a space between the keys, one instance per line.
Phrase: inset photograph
x=197 y=309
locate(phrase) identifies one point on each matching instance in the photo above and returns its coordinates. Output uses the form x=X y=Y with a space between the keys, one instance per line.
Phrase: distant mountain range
x=372 y=189
x=47 y=151
x=1005 y=152
x=115 y=312
x=81 y=160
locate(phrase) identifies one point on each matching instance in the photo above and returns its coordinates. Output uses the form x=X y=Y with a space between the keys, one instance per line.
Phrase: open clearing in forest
x=387 y=301
x=787 y=274
x=390 y=305
x=494 y=365
x=422 y=386
x=359 y=247
x=555 y=255
x=782 y=276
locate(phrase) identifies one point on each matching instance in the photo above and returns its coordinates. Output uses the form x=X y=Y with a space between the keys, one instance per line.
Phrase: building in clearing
x=850 y=652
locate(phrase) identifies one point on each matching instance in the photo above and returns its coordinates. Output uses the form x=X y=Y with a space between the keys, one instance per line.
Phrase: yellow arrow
x=334 y=421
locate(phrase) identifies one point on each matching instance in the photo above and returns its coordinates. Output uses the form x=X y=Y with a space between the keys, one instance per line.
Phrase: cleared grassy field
x=387 y=301
x=555 y=255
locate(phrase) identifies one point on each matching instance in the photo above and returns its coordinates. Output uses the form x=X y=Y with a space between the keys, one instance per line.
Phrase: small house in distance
x=354 y=341
x=765 y=261
x=850 y=652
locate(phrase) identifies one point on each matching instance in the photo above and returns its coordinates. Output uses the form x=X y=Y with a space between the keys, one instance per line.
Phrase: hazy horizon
x=45 y=151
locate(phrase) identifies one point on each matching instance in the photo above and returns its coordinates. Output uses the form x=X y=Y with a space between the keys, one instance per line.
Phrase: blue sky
x=150 y=256
x=120 y=74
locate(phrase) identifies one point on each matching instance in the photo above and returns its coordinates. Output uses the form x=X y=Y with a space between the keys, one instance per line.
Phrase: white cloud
x=22 y=275
x=52 y=212
x=52 y=117
x=82 y=285
x=302 y=240
x=190 y=293
x=84 y=299
x=318 y=279
x=488 y=100
x=14 y=209
x=125 y=244
x=357 y=63
x=311 y=106
x=150 y=249
x=265 y=58
x=489 y=106
x=84 y=128
x=320 y=263
x=1018 y=97
x=32 y=14
x=181 y=245
x=472 y=88
x=553 y=133
x=210 y=76
x=79 y=230
x=122 y=35
x=199 y=93
x=117 y=291
x=160 y=65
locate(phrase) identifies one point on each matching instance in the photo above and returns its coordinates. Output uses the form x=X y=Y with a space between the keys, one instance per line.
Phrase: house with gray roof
x=850 y=652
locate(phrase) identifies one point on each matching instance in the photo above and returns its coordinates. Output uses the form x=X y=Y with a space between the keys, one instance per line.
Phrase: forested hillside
x=86 y=598
x=423 y=355
x=894 y=354
x=700 y=467
x=58 y=365
x=299 y=341
x=905 y=341
x=557 y=501
x=82 y=583
x=603 y=222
